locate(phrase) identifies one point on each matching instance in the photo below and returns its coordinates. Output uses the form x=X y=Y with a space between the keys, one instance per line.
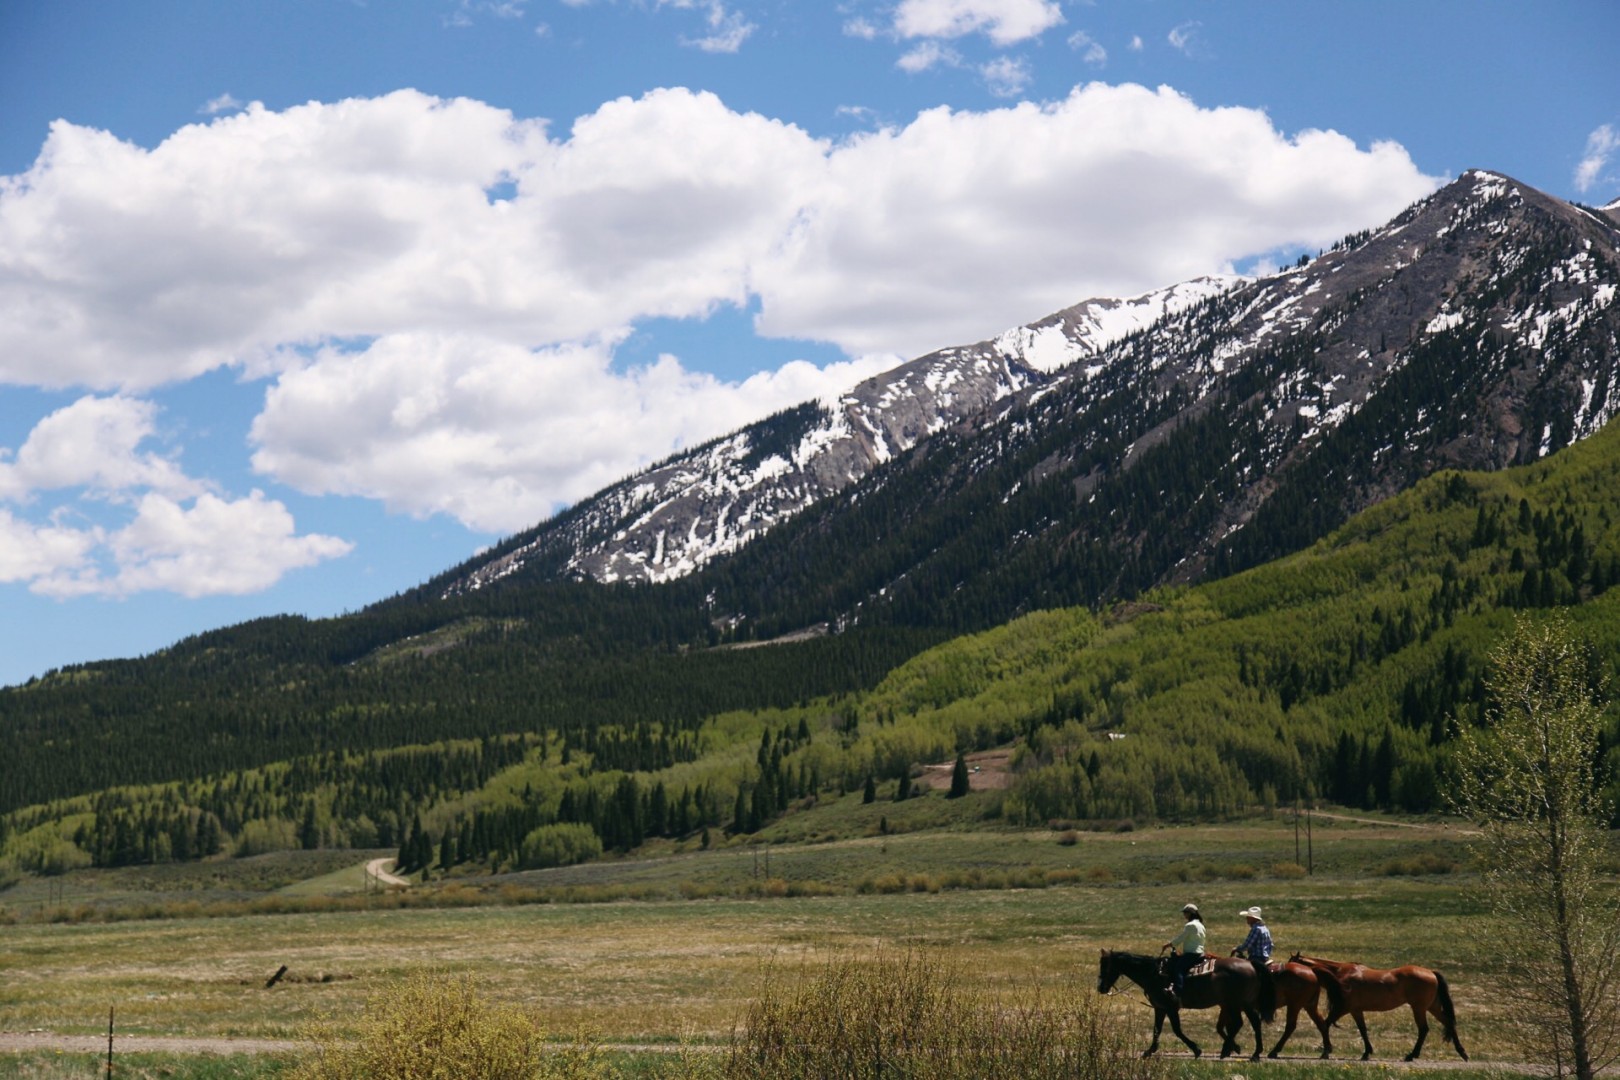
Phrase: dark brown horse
x=1357 y=989
x=1298 y=990
x=1232 y=986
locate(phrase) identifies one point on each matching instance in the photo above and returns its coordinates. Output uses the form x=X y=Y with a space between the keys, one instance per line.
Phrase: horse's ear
x=1105 y=954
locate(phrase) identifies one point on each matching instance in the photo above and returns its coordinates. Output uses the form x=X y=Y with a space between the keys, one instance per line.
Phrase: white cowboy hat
x=1251 y=913
x=1189 y=907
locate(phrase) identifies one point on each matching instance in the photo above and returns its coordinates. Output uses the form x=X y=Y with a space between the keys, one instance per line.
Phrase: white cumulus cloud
x=499 y=435
x=930 y=234
x=1006 y=76
x=1005 y=22
x=212 y=547
x=433 y=288
x=88 y=460
x=1090 y=51
x=1600 y=147
x=93 y=443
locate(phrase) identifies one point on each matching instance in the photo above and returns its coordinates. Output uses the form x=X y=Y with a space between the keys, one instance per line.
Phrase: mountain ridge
x=673 y=518
x=1420 y=271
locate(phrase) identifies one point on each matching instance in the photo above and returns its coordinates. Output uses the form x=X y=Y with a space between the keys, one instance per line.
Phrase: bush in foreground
x=436 y=1028
x=911 y=1015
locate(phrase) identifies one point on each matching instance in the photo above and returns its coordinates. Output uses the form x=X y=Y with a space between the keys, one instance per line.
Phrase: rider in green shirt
x=1189 y=946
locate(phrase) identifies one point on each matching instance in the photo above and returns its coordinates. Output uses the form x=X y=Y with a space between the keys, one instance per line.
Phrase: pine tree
x=870 y=793
x=959 y=778
x=309 y=833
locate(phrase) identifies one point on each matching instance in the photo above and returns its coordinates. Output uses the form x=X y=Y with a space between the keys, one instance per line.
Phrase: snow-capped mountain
x=1119 y=444
x=711 y=501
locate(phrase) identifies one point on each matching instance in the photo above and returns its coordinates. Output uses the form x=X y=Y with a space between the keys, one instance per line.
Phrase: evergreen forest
x=517 y=730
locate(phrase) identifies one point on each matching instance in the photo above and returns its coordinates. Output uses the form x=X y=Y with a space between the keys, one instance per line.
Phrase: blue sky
x=302 y=301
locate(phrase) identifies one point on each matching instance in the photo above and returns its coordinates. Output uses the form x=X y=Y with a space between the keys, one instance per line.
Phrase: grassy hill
x=1340 y=672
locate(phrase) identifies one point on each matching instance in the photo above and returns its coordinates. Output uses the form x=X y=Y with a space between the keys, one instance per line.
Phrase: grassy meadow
x=667 y=968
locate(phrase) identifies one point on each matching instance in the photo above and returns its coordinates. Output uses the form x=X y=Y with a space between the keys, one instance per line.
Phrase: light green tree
x=1526 y=778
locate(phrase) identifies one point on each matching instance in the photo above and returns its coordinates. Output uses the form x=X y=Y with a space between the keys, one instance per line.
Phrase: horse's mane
x=1309 y=960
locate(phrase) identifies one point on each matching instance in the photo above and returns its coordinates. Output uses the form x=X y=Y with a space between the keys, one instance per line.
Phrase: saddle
x=1203 y=967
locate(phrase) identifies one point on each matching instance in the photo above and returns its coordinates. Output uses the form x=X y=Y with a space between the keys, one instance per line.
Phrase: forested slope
x=1341 y=672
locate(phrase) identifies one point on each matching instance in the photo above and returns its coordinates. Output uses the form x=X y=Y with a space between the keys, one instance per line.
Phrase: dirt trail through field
x=24 y=1042
x=1422 y=826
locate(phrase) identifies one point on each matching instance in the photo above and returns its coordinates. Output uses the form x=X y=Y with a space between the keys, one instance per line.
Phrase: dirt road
x=24 y=1042
x=375 y=869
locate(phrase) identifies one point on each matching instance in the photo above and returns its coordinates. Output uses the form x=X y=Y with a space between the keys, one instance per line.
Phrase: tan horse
x=1357 y=989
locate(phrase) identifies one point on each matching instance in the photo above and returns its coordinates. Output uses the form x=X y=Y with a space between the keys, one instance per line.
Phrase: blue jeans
x=1179 y=966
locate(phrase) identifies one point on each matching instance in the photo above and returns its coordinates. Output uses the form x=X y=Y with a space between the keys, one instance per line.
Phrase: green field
x=660 y=970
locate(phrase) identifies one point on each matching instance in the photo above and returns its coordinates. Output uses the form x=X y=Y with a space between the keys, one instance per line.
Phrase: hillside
x=1339 y=672
x=1476 y=330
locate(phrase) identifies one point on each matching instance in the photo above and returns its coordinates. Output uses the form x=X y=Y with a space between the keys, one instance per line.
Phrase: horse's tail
x=1337 y=996
x=1448 y=1014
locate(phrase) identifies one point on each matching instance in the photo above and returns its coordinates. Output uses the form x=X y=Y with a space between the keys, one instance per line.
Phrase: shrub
x=1288 y=871
x=559 y=845
x=1426 y=862
x=908 y=1014
x=1068 y=838
x=264 y=836
x=436 y=1028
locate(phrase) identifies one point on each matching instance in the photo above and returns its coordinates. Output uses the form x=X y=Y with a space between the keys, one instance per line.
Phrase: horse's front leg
x=1158 y=1026
x=1423 y=1033
x=1175 y=1026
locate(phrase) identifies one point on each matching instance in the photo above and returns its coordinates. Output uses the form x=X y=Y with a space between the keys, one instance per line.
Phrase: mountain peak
x=1475 y=330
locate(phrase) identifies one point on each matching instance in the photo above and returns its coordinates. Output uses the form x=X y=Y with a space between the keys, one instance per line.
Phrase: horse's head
x=1297 y=958
x=1107 y=972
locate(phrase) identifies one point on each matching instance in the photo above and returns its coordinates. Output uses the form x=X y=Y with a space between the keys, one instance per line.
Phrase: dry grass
x=910 y=1013
x=654 y=971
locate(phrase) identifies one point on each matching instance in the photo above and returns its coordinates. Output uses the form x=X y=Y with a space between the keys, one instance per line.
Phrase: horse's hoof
x=1255 y=1056
x=1272 y=1055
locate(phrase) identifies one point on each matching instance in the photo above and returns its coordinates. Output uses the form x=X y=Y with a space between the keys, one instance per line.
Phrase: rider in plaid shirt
x=1256 y=948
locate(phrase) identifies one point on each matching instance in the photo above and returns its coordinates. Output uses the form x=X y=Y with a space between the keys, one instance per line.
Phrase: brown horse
x=1232 y=986
x=1297 y=989
x=1357 y=989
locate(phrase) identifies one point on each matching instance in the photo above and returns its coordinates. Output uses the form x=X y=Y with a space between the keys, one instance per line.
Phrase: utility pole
x=1296 y=830
x=1310 y=851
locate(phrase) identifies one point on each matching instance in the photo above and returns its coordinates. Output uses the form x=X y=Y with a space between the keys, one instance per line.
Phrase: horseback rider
x=1189 y=950
x=1256 y=948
